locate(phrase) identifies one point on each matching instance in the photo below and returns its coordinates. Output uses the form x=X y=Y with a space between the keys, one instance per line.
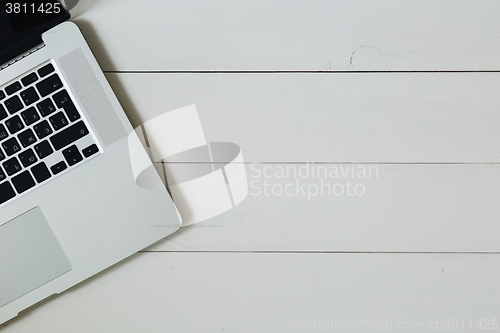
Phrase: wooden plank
x=214 y=292
x=333 y=117
x=399 y=208
x=323 y=35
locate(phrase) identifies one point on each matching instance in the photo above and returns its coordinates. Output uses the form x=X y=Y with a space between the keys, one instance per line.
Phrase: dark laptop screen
x=22 y=23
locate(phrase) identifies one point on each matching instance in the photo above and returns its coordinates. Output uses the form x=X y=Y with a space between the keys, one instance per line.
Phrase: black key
x=12 y=166
x=30 y=116
x=3 y=133
x=63 y=101
x=23 y=182
x=13 y=104
x=29 y=79
x=72 y=155
x=42 y=129
x=27 y=138
x=69 y=135
x=58 y=121
x=3 y=176
x=46 y=107
x=3 y=113
x=46 y=70
x=14 y=124
x=43 y=149
x=59 y=167
x=27 y=158
x=41 y=172
x=90 y=150
x=16 y=86
x=2 y=95
x=49 y=85
x=29 y=96
x=11 y=146
x=6 y=192
x=2 y=156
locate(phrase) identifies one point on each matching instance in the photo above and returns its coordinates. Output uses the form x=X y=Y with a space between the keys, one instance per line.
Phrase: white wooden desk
x=408 y=87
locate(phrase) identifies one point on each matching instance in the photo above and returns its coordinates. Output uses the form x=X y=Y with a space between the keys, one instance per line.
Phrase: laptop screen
x=21 y=21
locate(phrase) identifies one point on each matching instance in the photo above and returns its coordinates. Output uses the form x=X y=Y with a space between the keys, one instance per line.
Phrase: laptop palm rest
x=30 y=255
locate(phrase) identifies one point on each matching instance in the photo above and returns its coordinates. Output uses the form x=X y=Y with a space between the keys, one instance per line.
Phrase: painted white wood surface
x=338 y=117
x=288 y=35
x=408 y=208
x=250 y=292
x=334 y=117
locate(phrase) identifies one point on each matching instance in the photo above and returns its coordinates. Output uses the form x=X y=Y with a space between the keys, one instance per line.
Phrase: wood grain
x=404 y=120
x=292 y=35
x=407 y=208
x=244 y=292
x=332 y=117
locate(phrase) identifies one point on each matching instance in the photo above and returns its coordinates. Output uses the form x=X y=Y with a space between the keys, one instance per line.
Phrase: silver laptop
x=69 y=203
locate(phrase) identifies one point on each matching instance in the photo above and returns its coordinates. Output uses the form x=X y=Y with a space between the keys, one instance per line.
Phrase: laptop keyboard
x=42 y=133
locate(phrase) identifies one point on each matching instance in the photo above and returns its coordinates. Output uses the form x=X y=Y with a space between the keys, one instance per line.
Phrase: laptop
x=69 y=203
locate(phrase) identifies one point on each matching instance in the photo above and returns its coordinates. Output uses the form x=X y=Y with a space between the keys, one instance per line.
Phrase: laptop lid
x=22 y=24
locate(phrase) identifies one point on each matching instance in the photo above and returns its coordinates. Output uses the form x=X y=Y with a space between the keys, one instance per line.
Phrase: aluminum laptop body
x=89 y=213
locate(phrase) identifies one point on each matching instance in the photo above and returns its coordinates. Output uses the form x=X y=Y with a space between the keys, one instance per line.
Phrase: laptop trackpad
x=30 y=255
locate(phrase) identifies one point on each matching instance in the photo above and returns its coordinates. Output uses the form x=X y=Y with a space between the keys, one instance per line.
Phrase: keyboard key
x=69 y=135
x=2 y=156
x=13 y=104
x=46 y=70
x=46 y=107
x=41 y=172
x=43 y=149
x=23 y=182
x=42 y=129
x=14 y=124
x=29 y=79
x=49 y=85
x=3 y=133
x=3 y=113
x=30 y=116
x=59 y=167
x=3 y=176
x=2 y=95
x=27 y=138
x=12 y=166
x=72 y=155
x=6 y=192
x=58 y=121
x=90 y=150
x=16 y=86
x=63 y=101
x=29 y=96
x=11 y=146
x=27 y=158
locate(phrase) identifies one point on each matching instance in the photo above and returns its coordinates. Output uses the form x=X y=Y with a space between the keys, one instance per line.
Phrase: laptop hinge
x=21 y=50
